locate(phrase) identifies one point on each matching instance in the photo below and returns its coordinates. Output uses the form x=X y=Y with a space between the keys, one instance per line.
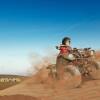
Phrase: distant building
x=17 y=80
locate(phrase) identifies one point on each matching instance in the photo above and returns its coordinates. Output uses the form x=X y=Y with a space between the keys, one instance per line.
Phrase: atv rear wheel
x=69 y=75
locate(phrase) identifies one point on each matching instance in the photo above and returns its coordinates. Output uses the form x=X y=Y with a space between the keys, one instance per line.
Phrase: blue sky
x=31 y=26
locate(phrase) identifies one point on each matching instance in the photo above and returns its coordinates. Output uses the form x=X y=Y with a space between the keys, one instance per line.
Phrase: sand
x=17 y=97
x=37 y=88
x=32 y=90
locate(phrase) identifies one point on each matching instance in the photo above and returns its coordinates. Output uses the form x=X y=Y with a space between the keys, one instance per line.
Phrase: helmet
x=65 y=39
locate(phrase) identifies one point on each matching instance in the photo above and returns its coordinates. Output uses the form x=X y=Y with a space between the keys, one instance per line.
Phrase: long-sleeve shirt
x=65 y=49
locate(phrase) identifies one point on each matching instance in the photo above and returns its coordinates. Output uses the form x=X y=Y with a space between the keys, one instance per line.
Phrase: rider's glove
x=57 y=47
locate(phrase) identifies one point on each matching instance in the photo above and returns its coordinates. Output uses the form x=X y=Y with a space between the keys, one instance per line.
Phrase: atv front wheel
x=94 y=71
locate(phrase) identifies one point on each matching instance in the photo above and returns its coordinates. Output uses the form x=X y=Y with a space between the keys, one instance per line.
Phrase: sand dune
x=35 y=88
x=18 y=97
x=90 y=90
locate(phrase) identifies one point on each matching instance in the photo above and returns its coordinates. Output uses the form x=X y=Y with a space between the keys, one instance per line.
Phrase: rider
x=65 y=49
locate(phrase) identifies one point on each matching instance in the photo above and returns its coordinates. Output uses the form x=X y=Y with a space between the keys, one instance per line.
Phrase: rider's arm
x=59 y=47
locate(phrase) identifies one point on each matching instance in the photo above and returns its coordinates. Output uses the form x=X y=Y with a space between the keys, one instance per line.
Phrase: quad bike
x=72 y=71
x=86 y=63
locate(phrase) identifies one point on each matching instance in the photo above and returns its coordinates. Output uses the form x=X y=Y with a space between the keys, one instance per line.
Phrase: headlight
x=91 y=52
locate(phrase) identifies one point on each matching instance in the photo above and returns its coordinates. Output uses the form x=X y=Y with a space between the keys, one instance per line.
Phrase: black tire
x=70 y=76
x=94 y=70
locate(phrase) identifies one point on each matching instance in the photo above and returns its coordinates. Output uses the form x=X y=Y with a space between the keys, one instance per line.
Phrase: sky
x=33 y=27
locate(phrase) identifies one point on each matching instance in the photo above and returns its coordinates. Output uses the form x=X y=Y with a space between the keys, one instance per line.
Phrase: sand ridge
x=37 y=88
